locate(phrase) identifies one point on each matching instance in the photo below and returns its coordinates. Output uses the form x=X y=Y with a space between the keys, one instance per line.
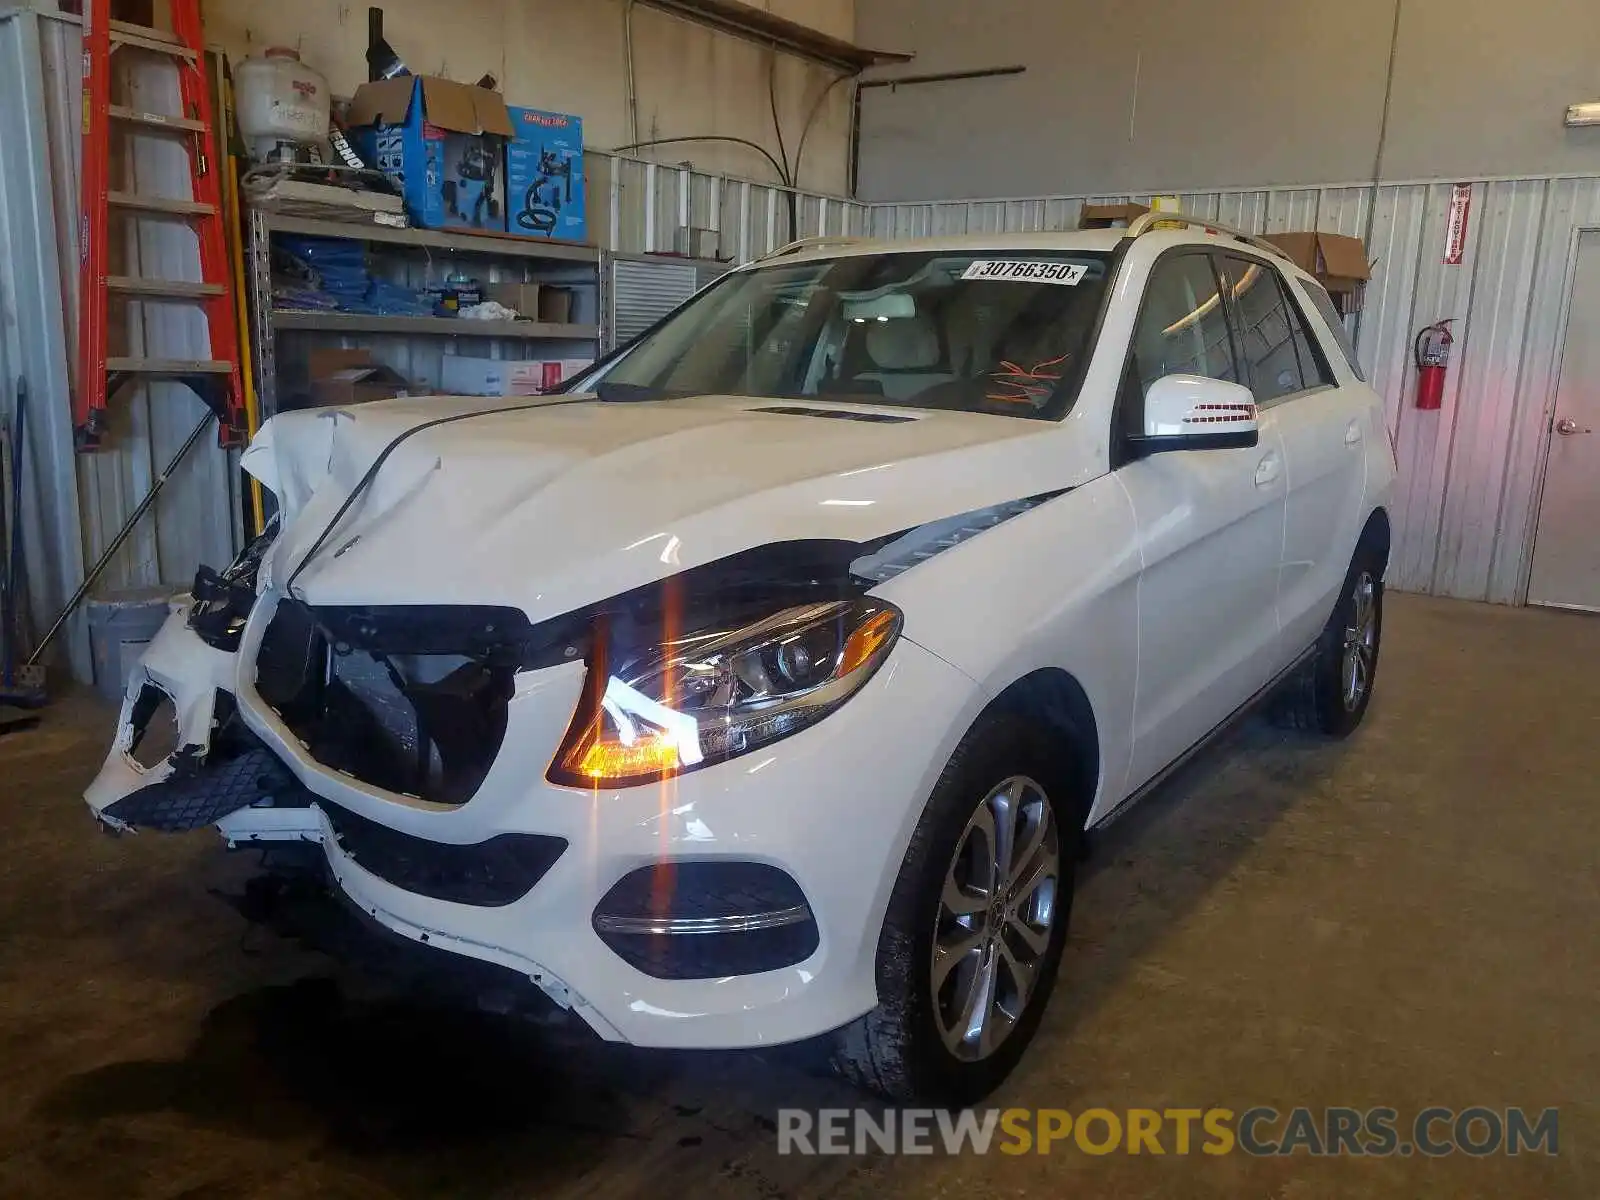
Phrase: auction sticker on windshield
x=1026 y=271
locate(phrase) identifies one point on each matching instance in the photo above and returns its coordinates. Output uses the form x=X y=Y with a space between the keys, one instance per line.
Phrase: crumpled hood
x=552 y=503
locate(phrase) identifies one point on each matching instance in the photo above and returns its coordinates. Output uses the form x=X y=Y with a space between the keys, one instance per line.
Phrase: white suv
x=763 y=686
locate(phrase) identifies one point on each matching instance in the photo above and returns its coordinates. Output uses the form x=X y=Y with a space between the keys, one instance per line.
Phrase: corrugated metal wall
x=1470 y=473
x=78 y=503
x=636 y=206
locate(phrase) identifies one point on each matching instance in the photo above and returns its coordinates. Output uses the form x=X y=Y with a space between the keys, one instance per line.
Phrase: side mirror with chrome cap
x=1195 y=412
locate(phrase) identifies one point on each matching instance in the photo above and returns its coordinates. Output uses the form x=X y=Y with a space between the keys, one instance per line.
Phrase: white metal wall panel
x=1470 y=473
x=636 y=207
x=33 y=329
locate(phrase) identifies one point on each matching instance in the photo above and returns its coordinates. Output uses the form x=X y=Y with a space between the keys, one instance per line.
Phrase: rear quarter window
x=1323 y=303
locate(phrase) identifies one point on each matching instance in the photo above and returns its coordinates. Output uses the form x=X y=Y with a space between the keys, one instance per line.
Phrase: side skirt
x=1227 y=723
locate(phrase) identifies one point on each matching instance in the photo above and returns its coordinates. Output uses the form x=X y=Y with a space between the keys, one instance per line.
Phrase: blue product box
x=544 y=176
x=442 y=142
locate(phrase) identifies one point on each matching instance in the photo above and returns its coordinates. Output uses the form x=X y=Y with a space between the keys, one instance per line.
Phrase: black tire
x=897 y=1049
x=1317 y=699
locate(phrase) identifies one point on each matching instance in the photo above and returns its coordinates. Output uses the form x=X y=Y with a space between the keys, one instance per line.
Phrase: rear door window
x=1323 y=303
x=1266 y=335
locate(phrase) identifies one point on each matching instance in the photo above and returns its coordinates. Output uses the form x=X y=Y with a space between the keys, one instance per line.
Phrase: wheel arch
x=1054 y=698
x=1378 y=536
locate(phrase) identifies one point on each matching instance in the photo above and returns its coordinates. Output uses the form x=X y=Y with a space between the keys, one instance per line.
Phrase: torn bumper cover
x=218 y=769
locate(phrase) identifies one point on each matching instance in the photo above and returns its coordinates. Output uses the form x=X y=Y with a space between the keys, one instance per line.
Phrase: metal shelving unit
x=434 y=239
x=556 y=263
x=339 y=322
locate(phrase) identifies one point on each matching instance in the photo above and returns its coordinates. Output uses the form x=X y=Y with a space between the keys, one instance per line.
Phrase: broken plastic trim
x=208 y=782
x=152 y=727
x=223 y=599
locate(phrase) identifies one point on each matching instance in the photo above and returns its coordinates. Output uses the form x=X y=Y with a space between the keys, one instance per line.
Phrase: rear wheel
x=1331 y=692
x=976 y=923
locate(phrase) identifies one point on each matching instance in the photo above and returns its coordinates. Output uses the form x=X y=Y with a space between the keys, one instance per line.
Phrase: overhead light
x=1584 y=114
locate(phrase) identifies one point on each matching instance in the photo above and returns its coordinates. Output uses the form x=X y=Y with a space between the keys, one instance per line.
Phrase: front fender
x=1054 y=587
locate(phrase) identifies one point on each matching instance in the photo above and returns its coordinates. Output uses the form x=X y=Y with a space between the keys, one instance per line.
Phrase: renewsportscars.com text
x=1260 y=1131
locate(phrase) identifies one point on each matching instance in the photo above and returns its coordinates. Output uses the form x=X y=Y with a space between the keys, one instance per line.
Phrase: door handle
x=1567 y=427
x=1352 y=433
x=1268 y=470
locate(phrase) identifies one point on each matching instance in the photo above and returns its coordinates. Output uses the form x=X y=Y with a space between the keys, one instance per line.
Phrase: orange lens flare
x=651 y=754
x=866 y=641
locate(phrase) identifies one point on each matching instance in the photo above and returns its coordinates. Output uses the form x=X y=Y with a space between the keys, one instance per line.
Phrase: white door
x=1210 y=532
x=1566 y=556
x=1323 y=427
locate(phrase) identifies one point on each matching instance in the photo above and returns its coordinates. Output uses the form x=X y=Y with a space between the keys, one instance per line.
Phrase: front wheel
x=976 y=923
x=1331 y=692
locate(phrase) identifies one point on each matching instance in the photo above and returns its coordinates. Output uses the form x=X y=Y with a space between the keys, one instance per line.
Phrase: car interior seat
x=906 y=356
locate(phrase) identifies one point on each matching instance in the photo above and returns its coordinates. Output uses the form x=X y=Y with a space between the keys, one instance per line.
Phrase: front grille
x=411 y=699
x=487 y=874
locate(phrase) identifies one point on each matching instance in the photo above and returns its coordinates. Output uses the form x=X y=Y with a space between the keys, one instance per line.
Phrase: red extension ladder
x=216 y=380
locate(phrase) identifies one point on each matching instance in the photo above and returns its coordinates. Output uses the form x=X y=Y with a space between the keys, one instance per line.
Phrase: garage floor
x=1410 y=918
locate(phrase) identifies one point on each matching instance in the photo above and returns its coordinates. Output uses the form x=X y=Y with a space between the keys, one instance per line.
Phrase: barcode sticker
x=1026 y=271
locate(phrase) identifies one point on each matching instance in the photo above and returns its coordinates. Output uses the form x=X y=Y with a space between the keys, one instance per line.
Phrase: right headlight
x=713 y=694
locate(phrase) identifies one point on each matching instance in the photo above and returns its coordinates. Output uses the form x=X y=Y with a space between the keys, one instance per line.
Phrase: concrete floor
x=1410 y=918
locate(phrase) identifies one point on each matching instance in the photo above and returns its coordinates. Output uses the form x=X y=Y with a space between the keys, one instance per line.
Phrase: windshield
x=990 y=332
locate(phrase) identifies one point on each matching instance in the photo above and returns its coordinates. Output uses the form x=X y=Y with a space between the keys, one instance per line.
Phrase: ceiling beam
x=768 y=29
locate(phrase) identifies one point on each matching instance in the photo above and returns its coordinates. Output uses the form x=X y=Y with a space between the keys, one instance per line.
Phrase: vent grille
x=836 y=414
x=644 y=292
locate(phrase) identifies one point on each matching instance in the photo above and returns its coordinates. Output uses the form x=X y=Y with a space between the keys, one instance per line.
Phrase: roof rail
x=812 y=243
x=1150 y=220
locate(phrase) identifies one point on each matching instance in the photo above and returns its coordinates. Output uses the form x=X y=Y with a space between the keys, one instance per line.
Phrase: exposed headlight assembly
x=223 y=600
x=714 y=694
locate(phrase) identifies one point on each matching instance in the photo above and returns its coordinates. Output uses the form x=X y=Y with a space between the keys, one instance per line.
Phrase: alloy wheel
x=1360 y=642
x=997 y=910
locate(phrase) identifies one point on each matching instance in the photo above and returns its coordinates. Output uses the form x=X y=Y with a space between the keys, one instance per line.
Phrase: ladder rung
x=159 y=204
x=142 y=36
x=156 y=120
x=172 y=289
x=169 y=366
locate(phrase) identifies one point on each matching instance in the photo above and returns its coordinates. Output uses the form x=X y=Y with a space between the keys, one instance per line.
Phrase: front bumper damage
x=220 y=773
x=537 y=879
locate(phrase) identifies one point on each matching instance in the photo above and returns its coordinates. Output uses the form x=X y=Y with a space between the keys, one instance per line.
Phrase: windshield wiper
x=631 y=393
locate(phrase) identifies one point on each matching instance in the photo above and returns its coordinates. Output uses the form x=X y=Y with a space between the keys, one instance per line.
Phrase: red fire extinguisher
x=1432 y=352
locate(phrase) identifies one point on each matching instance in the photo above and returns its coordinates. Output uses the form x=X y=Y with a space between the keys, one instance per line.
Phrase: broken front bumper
x=522 y=874
x=217 y=769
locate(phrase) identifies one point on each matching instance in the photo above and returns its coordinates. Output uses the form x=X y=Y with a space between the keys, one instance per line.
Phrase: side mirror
x=1194 y=412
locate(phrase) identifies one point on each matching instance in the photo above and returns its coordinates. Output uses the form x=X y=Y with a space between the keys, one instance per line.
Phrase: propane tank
x=283 y=107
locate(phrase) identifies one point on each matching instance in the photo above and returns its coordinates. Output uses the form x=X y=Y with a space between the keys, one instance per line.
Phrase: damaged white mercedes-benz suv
x=762 y=686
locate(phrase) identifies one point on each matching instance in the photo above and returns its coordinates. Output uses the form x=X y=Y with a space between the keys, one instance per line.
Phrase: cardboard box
x=545 y=194
x=524 y=297
x=555 y=305
x=341 y=377
x=464 y=375
x=1110 y=216
x=1338 y=262
x=566 y=368
x=467 y=376
x=442 y=142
